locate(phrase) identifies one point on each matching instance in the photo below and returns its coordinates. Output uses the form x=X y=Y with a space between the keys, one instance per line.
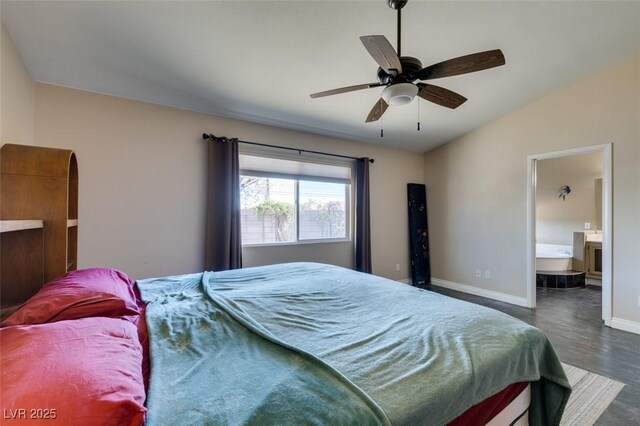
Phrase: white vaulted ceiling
x=259 y=61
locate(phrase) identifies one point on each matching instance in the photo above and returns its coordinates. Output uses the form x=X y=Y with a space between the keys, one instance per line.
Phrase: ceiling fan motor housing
x=410 y=66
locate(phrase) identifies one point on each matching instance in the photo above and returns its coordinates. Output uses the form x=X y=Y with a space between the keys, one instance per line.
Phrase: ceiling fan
x=399 y=74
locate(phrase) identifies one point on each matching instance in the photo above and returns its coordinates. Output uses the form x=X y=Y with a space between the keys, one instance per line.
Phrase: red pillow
x=82 y=372
x=95 y=292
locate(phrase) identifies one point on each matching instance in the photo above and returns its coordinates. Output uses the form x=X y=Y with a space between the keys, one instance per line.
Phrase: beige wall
x=556 y=220
x=16 y=95
x=476 y=185
x=337 y=253
x=142 y=174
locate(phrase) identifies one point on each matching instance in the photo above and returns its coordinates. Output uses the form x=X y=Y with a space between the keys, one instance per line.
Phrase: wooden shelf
x=20 y=225
x=42 y=183
x=21 y=262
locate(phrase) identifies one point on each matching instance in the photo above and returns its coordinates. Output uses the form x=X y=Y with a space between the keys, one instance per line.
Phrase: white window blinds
x=254 y=165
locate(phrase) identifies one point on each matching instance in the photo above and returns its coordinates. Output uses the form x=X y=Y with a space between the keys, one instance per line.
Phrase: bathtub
x=553 y=257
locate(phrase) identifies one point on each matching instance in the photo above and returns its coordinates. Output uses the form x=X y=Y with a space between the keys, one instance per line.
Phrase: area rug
x=591 y=394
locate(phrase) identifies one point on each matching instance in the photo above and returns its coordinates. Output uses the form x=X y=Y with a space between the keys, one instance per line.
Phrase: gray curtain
x=223 y=246
x=363 y=223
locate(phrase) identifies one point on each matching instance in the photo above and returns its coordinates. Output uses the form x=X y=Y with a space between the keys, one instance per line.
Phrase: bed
x=299 y=343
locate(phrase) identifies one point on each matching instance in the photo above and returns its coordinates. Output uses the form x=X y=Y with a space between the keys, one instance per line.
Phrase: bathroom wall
x=557 y=219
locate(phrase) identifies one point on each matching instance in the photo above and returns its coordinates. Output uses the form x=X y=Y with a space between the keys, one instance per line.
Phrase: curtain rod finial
x=372 y=160
x=206 y=136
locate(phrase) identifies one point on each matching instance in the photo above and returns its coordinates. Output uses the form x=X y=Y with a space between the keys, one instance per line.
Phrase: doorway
x=606 y=220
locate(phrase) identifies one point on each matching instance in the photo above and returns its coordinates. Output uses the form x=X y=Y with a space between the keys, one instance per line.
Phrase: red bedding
x=81 y=372
x=95 y=292
x=482 y=413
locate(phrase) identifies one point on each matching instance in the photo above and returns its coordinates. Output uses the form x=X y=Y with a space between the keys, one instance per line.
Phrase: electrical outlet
x=587 y=225
x=478 y=273
x=397 y=267
x=487 y=274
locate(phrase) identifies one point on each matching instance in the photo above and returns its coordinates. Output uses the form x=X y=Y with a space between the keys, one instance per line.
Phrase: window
x=285 y=201
x=267 y=210
x=322 y=210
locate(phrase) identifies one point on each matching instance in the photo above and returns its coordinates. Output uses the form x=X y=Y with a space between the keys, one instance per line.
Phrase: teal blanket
x=306 y=343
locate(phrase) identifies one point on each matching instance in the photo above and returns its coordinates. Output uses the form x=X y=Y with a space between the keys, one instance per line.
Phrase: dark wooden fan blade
x=376 y=112
x=382 y=52
x=345 y=90
x=462 y=65
x=440 y=95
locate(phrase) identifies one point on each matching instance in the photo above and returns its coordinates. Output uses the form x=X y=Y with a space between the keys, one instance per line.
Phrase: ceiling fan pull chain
x=418 y=102
x=381 y=121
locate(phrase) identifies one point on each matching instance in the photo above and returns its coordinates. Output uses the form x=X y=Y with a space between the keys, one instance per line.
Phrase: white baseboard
x=593 y=281
x=405 y=281
x=625 y=325
x=490 y=294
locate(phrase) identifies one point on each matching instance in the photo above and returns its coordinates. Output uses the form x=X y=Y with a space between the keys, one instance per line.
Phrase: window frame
x=349 y=199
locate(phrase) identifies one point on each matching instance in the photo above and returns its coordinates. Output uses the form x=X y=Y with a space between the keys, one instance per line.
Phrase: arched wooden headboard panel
x=38 y=218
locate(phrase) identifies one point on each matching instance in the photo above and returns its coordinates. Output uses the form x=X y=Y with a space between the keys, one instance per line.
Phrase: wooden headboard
x=38 y=219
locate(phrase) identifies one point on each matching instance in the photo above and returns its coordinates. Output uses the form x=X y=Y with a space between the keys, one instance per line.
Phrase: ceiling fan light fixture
x=400 y=93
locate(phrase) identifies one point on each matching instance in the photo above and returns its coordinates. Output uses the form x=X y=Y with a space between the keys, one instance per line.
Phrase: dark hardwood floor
x=571 y=320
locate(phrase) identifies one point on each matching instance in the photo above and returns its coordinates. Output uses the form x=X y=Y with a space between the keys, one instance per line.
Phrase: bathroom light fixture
x=564 y=191
x=400 y=93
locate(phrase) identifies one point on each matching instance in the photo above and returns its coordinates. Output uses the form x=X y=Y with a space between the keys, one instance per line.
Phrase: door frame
x=607 y=222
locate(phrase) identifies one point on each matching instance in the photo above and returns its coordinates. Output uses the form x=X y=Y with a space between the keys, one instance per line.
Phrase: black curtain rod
x=207 y=136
